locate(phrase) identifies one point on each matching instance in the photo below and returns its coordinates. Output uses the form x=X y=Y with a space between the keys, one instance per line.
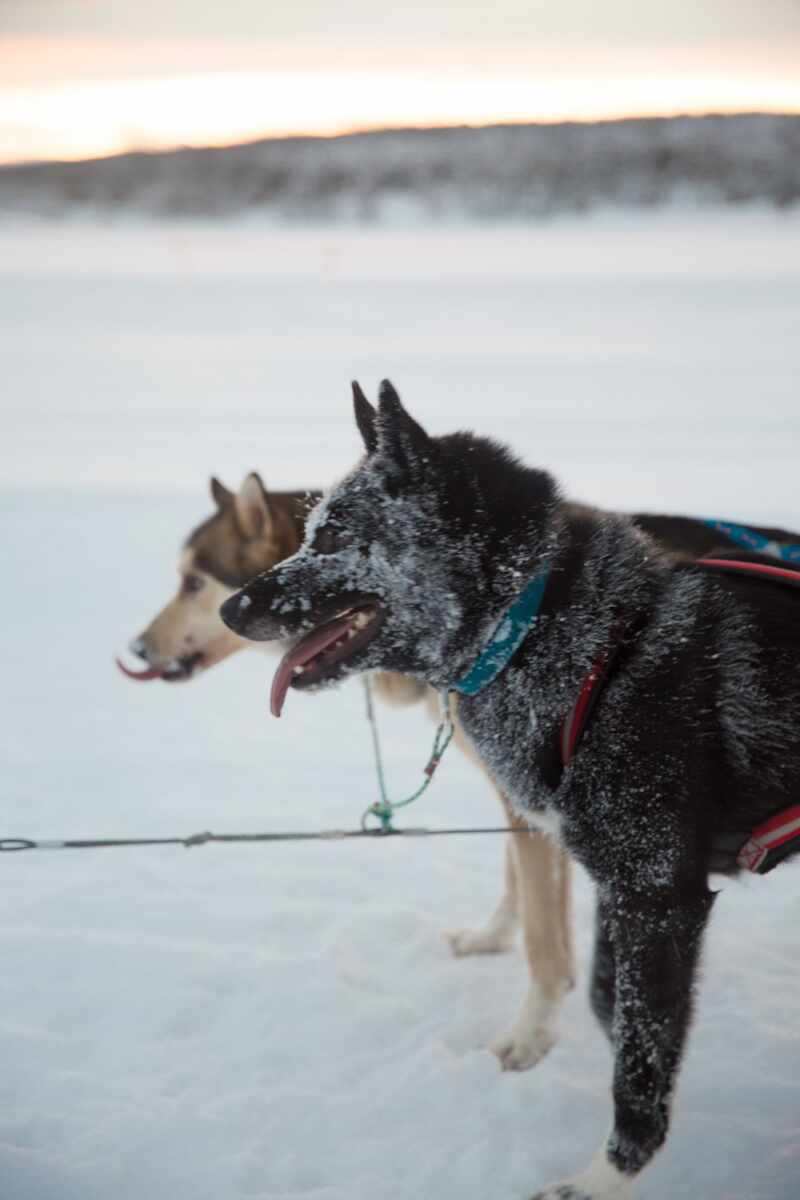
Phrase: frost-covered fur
x=692 y=738
x=250 y=531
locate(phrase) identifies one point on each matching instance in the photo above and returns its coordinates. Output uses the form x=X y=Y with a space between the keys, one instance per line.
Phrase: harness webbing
x=578 y=717
x=750 y=539
x=506 y=637
x=733 y=566
x=771 y=842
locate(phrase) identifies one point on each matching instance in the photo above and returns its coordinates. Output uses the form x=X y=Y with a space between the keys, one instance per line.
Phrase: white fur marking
x=532 y=1034
x=494 y=938
x=600 y=1181
x=547 y=820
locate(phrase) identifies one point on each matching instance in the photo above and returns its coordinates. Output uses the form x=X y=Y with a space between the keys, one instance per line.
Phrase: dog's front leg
x=656 y=944
x=603 y=986
x=543 y=882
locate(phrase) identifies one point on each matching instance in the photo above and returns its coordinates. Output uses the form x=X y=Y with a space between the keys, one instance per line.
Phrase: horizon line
x=369 y=129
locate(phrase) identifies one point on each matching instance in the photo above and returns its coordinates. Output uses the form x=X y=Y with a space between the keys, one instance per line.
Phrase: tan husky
x=252 y=530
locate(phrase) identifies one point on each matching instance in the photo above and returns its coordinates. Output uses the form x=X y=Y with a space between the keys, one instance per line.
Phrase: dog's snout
x=234 y=611
x=139 y=647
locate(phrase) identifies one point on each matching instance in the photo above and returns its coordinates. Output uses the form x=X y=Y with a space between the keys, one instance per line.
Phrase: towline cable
x=381 y=811
x=15 y=845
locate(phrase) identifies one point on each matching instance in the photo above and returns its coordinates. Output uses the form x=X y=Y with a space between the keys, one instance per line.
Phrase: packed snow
x=281 y=1022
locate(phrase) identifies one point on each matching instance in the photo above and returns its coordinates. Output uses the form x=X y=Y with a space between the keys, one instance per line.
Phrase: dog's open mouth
x=175 y=671
x=322 y=654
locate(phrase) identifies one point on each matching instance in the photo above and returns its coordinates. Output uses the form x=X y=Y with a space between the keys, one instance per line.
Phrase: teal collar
x=506 y=638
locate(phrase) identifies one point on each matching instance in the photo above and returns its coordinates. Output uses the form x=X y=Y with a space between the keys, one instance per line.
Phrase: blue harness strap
x=512 y=627
x=506 y=638
x=750 y=539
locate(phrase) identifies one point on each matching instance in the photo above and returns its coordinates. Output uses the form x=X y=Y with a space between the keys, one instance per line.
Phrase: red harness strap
x=770 y=842
x=757 y=569
x=578 y=717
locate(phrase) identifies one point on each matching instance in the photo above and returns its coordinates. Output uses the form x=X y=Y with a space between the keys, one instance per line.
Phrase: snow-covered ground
x=285 y=1022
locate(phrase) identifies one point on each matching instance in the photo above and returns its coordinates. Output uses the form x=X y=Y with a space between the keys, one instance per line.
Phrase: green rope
x=384 y=809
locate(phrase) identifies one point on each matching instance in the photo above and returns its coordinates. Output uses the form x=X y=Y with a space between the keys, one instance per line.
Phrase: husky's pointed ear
x=219 y=493
x=401 y=439
x=251 y=506
x=366 y=418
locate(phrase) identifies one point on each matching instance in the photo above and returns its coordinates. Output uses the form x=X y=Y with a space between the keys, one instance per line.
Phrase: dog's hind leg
x=656 y=947
x=498 y=934
x=543 y=883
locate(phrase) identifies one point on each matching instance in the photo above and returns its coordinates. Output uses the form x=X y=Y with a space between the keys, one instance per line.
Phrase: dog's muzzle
x=242 y=616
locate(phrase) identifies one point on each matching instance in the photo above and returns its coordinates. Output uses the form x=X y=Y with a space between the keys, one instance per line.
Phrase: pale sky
x=86 y=77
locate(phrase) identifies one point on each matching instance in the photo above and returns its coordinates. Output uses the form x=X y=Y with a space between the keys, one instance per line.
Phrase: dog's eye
x=192 y=583
x=329 y=540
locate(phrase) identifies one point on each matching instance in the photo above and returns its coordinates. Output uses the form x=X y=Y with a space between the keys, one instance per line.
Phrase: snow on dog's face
x=393 y=571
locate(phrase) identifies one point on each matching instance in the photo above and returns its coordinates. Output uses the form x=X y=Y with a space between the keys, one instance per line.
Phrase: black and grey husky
x=446 y=559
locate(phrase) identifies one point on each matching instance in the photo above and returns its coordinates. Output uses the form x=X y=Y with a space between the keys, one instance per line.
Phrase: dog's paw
x=602 y=1181
x=561 y=1191
x=464 y=942
x=522 y=1049
x=576 y=1190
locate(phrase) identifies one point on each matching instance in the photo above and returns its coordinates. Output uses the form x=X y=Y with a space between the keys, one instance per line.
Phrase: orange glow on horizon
x=81 y=114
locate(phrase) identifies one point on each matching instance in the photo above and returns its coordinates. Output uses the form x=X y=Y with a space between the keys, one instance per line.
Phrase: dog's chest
x=517 y=741
x=547 y=819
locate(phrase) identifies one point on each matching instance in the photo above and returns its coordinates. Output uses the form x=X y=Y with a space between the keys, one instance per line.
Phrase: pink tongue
x=298 y=656
x=144 y=674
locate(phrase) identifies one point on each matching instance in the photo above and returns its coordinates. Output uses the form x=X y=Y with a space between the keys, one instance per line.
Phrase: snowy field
x=277 y=1023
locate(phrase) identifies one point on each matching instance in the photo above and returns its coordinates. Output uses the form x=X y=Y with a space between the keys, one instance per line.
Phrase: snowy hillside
x=478 y=174
x=286 y=1023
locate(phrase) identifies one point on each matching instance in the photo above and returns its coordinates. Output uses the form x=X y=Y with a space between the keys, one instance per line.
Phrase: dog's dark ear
x=219 y=493
x=400 y=438
x=251 y=506
x=366 y=418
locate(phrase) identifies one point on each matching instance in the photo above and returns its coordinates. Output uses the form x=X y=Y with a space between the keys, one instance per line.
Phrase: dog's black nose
x=138 y=647
x=234 y=611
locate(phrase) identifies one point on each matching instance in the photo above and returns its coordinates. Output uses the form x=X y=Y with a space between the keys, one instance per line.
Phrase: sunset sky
x=87 y=77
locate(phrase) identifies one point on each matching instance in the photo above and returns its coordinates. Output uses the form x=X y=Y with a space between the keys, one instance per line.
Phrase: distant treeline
x=494 y=173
